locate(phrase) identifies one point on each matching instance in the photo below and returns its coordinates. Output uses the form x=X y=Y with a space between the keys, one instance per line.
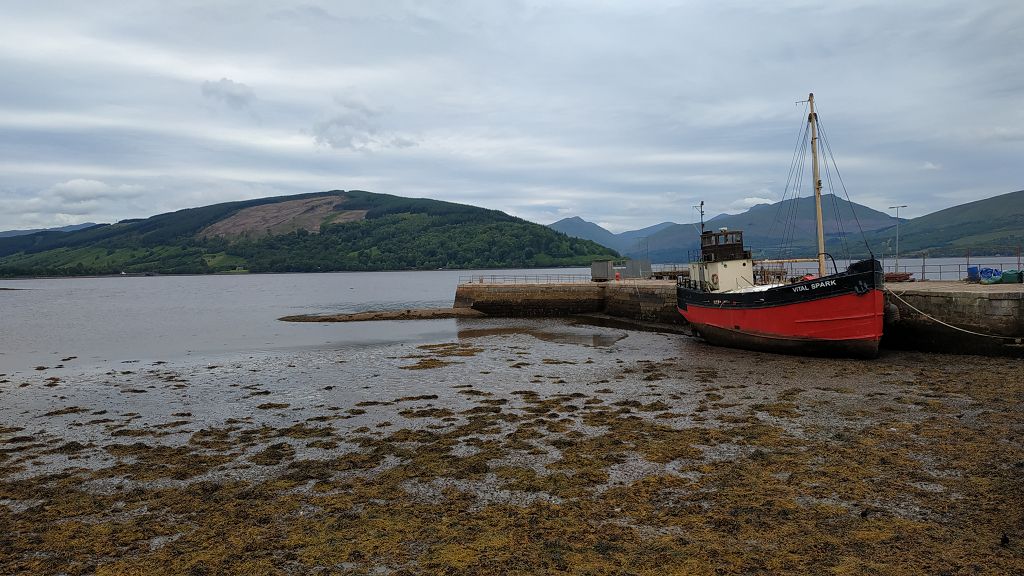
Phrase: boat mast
x=813 y=119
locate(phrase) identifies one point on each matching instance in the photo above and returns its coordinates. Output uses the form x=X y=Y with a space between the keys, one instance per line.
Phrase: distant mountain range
x=787 y=229
x=623 y=242
x=357 y=230
x=71 y=228
x=324 y=231
x=783 y=228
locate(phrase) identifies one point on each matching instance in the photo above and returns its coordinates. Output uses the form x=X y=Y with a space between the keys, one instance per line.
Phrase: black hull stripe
x=858 y=282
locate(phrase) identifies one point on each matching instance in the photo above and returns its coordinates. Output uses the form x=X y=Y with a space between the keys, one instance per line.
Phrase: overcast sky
x=624 y=113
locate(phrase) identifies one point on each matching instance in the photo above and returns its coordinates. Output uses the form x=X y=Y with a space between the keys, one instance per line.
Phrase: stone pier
x=641 y=300
x=918 y=314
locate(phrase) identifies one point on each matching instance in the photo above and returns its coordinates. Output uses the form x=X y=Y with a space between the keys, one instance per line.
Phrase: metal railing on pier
x=669 y=267
x=669 y=271
x=924 y=267
x=525 y=279
x=921 y=269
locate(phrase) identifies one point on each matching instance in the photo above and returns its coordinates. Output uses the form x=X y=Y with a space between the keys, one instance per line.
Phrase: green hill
x=986 y=227
x=324 y=231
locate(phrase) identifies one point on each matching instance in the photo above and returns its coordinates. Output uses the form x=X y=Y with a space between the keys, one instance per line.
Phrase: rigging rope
x=793 y=166
x=828 y=147
x=788 y=223
x=836 y=212
x=794 y=183
x=789 y=230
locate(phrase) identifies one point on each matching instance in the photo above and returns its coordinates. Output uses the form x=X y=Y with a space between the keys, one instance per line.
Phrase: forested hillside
x=993 y=226
x=360 y=231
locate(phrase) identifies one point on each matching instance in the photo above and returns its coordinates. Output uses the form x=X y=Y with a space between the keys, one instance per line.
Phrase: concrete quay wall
x=917 y=315
x=531 y=299
x=643 y=301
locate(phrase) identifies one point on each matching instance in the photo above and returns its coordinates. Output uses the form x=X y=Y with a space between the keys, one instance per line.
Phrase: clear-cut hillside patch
x=283 y=217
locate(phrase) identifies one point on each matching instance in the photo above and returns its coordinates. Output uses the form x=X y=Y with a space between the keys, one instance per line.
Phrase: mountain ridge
x=24 y=232
x=992 y=225
x=580 y=228
x=387 y=233
x=988 y=226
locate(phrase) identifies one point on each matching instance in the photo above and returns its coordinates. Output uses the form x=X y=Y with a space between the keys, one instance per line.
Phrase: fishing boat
x=729 y=303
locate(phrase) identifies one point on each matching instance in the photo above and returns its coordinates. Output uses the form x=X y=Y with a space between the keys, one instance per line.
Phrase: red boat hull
x=843 y=324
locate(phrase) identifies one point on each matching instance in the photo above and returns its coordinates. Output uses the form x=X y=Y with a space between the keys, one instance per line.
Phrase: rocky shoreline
x=522 y=446
x=381 y=315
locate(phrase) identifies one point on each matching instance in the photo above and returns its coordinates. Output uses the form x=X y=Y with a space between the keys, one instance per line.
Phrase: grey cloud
x=305 y=14
x=624 y=113
x=75 y=199
x=233 y=94
x=84 y=190
x=353 y=125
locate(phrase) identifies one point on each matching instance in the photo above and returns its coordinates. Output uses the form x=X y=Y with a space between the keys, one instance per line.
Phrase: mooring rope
x=948 y=325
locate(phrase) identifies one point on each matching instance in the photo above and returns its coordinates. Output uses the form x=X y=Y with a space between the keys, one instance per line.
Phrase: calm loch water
x=112 y=320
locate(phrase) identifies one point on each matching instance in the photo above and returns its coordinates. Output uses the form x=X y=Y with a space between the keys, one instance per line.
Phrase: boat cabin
x=724 y=244
x=724 y=263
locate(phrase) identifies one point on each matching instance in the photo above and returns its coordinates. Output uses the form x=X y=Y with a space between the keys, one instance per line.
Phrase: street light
x=897 y=234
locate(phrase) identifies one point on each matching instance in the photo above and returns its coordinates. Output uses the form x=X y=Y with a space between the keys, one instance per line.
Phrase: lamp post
x=897 y=234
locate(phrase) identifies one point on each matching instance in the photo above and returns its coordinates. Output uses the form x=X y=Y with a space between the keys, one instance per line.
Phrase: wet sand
x=520 y=447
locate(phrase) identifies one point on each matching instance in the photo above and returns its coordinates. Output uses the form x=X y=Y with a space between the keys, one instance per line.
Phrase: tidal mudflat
x=517 y=447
